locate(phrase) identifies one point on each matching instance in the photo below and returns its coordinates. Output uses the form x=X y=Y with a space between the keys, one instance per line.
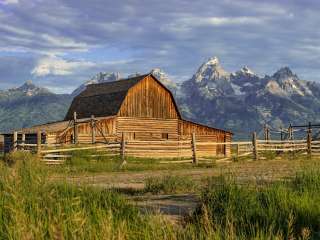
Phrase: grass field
x=277 y=198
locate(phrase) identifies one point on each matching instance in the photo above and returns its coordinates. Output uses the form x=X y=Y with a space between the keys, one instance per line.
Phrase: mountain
x=243 y=101
x=164 y=79
x=28 y=105
x=98 y=78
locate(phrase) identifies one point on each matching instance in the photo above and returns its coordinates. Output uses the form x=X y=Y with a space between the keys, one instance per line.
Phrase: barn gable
x=142 y=96
x=149 y=98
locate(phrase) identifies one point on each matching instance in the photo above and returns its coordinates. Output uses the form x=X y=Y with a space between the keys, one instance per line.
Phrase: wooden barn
x=139 y=108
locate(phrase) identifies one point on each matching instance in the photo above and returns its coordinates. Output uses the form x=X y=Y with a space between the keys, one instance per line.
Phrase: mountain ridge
x=240 y=101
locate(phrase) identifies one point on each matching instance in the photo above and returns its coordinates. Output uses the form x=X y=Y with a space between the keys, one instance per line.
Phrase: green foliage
x=169 y=184
x=32 y=207
x=289 y=210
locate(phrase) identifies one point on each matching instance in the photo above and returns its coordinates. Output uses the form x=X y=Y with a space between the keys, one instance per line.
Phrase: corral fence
x=193 y=150
x=181 y=151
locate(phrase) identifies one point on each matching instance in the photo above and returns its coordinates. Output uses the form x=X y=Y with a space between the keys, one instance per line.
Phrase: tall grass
x=169 y=184
x=31 y=207
x=287 y=210
x=34 y=207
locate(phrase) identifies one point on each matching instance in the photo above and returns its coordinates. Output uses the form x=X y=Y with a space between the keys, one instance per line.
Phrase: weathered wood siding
x=105 y=131
x=148 y=99
x=147 y=128
x=206 y=134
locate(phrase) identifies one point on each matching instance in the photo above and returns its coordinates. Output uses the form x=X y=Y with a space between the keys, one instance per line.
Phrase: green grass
x=34 y=207
x=31 y=207
x=169 y=184
x=81 y=162
x=286 y=210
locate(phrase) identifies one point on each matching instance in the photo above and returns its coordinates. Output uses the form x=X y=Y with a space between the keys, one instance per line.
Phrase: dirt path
x=173 y=207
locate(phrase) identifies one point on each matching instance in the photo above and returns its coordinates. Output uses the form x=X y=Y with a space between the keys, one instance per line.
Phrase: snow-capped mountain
x=27 y=89
x=164 y=79
x=288 y=84
x=29 y=104
x=98 y=78
x=243 y=101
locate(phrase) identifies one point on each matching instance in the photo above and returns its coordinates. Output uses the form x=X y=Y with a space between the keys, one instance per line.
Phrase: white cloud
x=53 y=65
x=187 y=23
x=64 y=42
x=9 y=1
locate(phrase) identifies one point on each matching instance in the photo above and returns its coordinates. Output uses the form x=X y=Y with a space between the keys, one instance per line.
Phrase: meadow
x=34 y=205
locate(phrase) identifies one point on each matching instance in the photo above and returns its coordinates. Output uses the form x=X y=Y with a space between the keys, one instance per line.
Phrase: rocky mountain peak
x=98 y=78
x=211 y=70
x=284 y=73
x=247 y=71
x=213 y=61
x=163 y=78
x=30 y=89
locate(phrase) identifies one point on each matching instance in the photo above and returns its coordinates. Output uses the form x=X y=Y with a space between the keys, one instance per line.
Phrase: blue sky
x=61 y=43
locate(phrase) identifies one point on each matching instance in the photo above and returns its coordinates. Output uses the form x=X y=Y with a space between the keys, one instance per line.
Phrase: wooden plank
x=281 y=149
x=178 y=161
x=75 y=149
x=281 y=141
x=223 y=143
x=56 y=156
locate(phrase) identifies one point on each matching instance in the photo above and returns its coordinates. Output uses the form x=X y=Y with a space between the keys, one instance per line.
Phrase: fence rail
x=186 y=151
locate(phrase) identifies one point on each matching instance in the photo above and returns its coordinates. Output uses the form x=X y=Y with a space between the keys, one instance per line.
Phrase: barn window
x=134 y=135
x=165 y=136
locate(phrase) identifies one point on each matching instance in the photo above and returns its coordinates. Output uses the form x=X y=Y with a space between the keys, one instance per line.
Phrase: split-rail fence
x=183 y=151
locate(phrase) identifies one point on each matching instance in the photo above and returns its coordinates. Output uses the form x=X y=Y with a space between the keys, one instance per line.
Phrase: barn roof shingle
x=102 y=99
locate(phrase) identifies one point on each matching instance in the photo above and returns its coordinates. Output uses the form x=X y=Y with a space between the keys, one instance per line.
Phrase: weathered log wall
x=149 y=99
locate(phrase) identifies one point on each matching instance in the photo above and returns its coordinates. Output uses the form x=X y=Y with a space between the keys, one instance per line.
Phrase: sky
x=59 y=44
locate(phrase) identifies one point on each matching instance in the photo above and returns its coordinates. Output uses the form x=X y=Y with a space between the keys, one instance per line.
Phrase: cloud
x=70 y=40
x=9 y=1
x=53 y=65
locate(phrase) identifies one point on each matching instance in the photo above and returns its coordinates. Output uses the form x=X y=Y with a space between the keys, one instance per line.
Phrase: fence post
x=75 y=128
x=309 y=140
x=268 y=134
x=123 y=149
x=15 y=141
x=194 y=149
x=39 y=143
x=23 y=139
x=255 y=146
x=237 y=149
x=265 y=130
x=93 y=130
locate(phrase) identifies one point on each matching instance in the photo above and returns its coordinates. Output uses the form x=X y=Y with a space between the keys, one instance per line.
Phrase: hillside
x=29 y=105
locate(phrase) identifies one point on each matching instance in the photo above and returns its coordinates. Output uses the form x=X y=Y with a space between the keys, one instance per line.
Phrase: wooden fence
x=183 y=151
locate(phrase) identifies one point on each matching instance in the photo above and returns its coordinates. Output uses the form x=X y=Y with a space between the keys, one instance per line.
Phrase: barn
x=139 y=109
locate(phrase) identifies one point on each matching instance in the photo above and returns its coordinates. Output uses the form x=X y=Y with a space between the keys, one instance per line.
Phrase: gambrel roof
x=105 y=99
